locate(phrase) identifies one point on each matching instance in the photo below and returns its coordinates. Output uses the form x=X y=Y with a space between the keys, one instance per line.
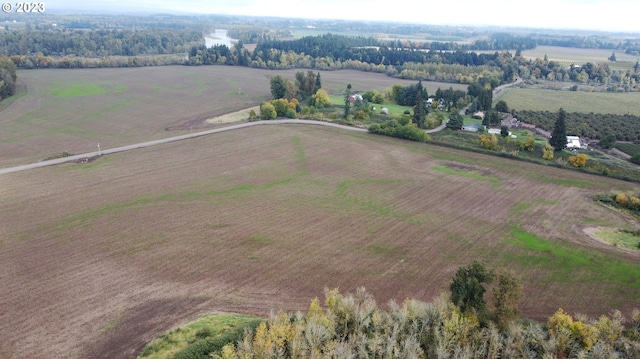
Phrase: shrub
x=203 y=332
x=403 y=120
x=203 y=347
x=393 y=129
x=547 y=152
x=267 y=111
x=361 y=115
x=291 y=113
x=489 y=141
x=578 y=160
x=529 y=144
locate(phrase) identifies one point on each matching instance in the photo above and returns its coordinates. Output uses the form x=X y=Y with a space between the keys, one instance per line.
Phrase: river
x=219 y=37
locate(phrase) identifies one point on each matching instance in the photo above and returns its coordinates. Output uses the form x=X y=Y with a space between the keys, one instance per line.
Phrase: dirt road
x=108 y=151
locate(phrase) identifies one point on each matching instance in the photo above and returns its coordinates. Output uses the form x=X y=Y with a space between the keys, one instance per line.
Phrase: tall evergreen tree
x=318 y=83
x=558 y=138
x=347 y=103
x=420 y=107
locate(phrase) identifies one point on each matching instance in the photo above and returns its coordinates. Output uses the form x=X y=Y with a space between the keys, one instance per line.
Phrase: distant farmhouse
x=472 y=127
x=573 y=142
x=355 y=98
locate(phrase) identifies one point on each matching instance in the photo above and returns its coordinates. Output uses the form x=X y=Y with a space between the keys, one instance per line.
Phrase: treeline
x=370 y=50
x=581 y=42
x=256 y=34
x=353 y=326
x=591 y=125
x=98 y=43
x=73 y=62
x=336 y=52
x=7 y=77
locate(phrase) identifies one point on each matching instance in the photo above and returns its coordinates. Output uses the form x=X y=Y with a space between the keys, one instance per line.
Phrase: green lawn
x=394 y=109
x=570 y=264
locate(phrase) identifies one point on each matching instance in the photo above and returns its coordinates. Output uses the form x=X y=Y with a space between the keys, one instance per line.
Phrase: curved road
x=499 y=89
x=167 y=140
x=80 y=157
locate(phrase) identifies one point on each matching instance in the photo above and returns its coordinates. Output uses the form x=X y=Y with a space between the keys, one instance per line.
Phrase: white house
x=496 y=131
x=573 y=142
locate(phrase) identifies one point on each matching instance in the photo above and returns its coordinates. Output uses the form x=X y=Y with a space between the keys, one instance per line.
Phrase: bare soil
x=140 y=104
x=96 y=260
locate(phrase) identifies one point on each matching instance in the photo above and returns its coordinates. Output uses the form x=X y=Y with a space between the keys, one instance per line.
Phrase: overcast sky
x=610 y=15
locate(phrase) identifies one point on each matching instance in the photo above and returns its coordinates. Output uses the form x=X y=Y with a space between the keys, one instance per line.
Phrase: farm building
x=573 y=142
x=355 y=98
x=496 y=131
x=472 y=127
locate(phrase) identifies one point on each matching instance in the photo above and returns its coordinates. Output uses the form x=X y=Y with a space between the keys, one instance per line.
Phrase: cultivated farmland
x=579 y=101
x=74 y=110
x=99 y=258
x=568 y=56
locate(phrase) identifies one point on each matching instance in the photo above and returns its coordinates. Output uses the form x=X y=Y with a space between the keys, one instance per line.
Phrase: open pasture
x=578 y=101
x=98 y=259
x=568 y=56
x=74 y=110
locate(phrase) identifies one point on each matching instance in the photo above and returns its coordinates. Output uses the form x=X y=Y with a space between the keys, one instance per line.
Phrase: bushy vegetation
x=479 y=320
x=392 y=128
x=354 y=326
x=626 y=200
x=201 y=337
x=7 y=77
x=203 y=346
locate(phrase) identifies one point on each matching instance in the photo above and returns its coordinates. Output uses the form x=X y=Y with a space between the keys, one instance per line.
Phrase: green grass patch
x=206 y=328
x=495 y=181
x=245 y=188
x=300 y=154
x=467 y=120
x=79 y=89
x=565 y=264
x=619 y=238
x=258 y=239
x=568 y=182
x=521 y=207
x=367 y=203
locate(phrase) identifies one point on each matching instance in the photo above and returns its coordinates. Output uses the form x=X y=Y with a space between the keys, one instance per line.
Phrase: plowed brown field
x=74 y=110
x=96 y=259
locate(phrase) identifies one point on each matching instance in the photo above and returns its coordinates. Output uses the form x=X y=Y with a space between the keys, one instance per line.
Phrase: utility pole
x=99 y=153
